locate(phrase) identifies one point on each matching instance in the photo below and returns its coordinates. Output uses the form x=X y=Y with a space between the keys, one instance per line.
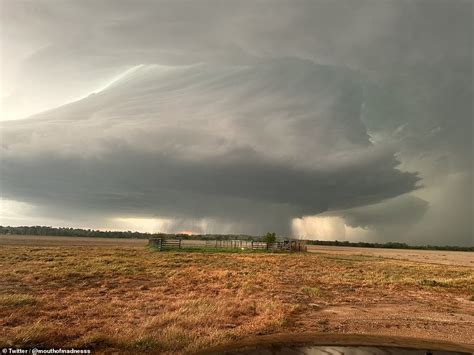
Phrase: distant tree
x=270 y=237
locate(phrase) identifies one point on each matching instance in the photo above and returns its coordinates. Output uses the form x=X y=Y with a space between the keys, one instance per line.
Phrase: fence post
x=161 y=244
x=179 y=245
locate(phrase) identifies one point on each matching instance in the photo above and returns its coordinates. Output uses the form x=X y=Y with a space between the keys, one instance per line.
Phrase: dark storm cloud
x=206 y=141
x=402 y=211
x=140 y=184
x=318 y=132
x=372 y=35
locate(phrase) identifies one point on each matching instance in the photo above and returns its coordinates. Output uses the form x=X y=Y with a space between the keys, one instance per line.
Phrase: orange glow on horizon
x=185 y=232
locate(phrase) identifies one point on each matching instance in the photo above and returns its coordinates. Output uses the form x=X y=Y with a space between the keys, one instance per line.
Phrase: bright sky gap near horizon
x=348 y=120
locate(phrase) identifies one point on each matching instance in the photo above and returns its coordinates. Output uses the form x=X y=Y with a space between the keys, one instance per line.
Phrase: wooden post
x=179 y=245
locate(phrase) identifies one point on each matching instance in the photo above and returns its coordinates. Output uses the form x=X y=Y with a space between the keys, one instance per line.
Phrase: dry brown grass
x=138 y=300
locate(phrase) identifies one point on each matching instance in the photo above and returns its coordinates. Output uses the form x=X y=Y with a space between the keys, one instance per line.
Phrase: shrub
x=270 y=237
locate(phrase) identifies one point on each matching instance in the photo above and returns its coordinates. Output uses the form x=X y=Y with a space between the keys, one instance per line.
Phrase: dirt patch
x=462 y=258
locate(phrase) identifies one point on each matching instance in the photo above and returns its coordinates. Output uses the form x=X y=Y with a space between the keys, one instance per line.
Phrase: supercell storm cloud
x=322 y=119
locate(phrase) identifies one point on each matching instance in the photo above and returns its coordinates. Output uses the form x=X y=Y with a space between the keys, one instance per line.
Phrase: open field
x=425 y=256
x=124 y=297
x=51 y=241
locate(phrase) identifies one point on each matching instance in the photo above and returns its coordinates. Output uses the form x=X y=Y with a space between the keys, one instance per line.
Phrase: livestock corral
x=162 y=244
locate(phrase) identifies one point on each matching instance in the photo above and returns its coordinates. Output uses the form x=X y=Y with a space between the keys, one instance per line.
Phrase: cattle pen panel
x=176 y=244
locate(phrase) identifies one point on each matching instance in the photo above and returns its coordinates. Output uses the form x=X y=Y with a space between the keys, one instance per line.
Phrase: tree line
x=79 y=232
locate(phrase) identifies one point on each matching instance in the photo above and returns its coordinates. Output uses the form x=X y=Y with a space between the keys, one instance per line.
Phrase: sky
x=348 y=120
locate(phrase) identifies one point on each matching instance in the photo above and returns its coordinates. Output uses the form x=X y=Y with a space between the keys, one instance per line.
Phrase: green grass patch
x=214 y=250
x=145 y=343
x=433 y=283
x=312 y=291
x=18 y=300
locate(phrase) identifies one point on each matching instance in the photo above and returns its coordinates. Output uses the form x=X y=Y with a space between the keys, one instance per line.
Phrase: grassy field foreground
x=133 y=299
